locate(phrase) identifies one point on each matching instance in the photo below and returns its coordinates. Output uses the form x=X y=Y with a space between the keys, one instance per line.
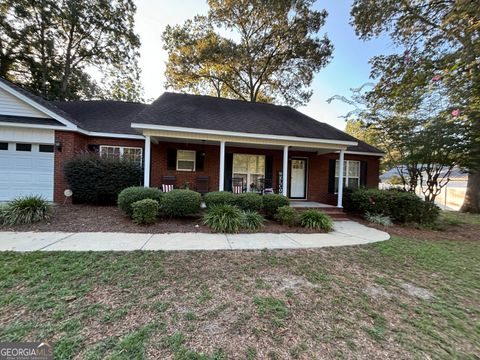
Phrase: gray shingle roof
x=103 y=115
x=207 y=112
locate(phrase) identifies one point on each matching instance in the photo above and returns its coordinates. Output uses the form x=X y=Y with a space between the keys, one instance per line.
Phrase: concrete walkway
x=345 y=233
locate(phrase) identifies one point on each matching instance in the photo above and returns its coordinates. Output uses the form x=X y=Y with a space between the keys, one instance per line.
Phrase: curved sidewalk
x=345 y=233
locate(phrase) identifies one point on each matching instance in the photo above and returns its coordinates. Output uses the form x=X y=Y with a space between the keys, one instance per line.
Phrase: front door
x=298 y=178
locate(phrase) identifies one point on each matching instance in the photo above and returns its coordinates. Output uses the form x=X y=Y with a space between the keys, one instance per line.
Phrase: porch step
x=334 y=212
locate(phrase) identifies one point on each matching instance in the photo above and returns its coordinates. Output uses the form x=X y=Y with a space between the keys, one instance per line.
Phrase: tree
x=443 y=38
x=271 y=53
x=47 y=46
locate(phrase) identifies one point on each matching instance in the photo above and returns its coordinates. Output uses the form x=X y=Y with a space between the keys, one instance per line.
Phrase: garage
x=26 y=163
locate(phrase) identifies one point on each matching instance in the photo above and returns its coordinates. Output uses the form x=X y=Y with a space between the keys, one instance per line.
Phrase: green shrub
x=177 y=203
x=136 y=193
x=314 y=219
x=145 y=211
x=3 y=213
x=401 y=206
x=272 y=202
x=224 y=218
x=26 y=210
x=378 y=219
x=287 y=215
x=252 y=220
x=248 y=201
x=97 y=180
x=219 y=198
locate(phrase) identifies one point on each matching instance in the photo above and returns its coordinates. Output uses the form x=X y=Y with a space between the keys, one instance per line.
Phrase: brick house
x=181 y=140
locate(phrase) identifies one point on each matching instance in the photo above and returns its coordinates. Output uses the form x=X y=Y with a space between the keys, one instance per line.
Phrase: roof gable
x=13 y=106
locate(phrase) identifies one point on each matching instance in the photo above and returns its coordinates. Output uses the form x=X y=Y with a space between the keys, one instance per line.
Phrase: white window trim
x=346 y=176
x=122 y=148
x=194 y=160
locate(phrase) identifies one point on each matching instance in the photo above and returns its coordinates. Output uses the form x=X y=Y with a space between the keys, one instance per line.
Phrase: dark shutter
x=228 y=171
x=331 y=176
x=93 y=148
x=171 y=159
x=268 y=171
x=199 y=160
x=363 y=173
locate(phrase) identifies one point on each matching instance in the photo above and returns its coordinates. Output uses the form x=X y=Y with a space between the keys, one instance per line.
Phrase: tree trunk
x=472 y=197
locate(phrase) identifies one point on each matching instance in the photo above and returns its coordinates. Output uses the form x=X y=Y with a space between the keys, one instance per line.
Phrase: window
x=45 y=148
x=121 y=152
x=351 y=174
x=24 y=147
x=186 y=160
x=251 y=168
x=3 y=146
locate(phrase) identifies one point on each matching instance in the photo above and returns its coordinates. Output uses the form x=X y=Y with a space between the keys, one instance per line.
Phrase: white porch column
x=285 y=170
x=340 y=178
x=221 y=179
x=146 y=162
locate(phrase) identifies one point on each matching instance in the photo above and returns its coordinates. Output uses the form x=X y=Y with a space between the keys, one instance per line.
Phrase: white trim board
x=239 y=134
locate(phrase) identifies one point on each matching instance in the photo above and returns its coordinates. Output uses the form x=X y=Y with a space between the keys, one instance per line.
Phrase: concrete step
x=334 y=212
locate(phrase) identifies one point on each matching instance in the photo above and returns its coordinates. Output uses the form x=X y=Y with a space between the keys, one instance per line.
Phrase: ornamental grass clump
x=316 y=220
x=252 y=220
x=26 y=210
x=224 y=218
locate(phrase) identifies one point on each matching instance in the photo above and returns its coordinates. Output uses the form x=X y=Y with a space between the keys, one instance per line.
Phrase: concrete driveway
x=345 y=233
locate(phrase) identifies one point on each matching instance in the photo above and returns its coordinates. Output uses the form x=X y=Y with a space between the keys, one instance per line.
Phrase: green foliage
x=177 y=203
x=401 y=206
x=135 y=193
x=314 y=219
x=287 y=215
x=271 y=203
x=276 y=35
x=145 y=211
x=97 y=180
x=272 y=308
x=224 y=218
x=26 y=210
x=48 y=45
x=249 y=201
x=378 y=219
x=251 y=220
x=219 y=198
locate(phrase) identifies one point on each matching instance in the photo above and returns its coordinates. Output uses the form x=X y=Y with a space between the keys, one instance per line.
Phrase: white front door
x=298 y=178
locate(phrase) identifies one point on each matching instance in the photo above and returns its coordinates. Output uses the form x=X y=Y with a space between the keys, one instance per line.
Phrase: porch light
x=58 y=145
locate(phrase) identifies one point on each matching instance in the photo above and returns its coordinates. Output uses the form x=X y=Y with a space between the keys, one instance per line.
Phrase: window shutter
x=269 y=171
x=331 y=176
x=199 y=160
x=93 y=148
x=171 y=159
x=363 y=173
x=228 y=171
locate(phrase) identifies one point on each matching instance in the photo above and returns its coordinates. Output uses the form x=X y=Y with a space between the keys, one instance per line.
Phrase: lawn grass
x=458 y=218
x=248 y=305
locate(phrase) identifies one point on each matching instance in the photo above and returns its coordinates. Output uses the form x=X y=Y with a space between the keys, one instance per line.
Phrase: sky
x=348 y=69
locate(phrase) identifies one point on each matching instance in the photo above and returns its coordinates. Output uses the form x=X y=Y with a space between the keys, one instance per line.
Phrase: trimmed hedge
x=178 y=202
x=97 y=180
x=215 y=198
x=287 y=216
x=249 y=201
x=271 y=203
x=399 y=205
x=145 y=211
x=133 y=194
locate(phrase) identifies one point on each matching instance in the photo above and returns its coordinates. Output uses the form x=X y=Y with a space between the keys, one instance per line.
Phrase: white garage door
x=26 y=168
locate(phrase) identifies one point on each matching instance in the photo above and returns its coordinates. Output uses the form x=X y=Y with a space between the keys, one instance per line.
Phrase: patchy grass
x=252 y=304
x=458 y=218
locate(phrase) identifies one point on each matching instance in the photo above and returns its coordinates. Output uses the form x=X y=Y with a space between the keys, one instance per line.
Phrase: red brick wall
x=72 y=144
x=317 y=177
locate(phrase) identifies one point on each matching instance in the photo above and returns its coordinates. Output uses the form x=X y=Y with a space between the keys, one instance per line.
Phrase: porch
x=335 y=212
x=295 y=167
